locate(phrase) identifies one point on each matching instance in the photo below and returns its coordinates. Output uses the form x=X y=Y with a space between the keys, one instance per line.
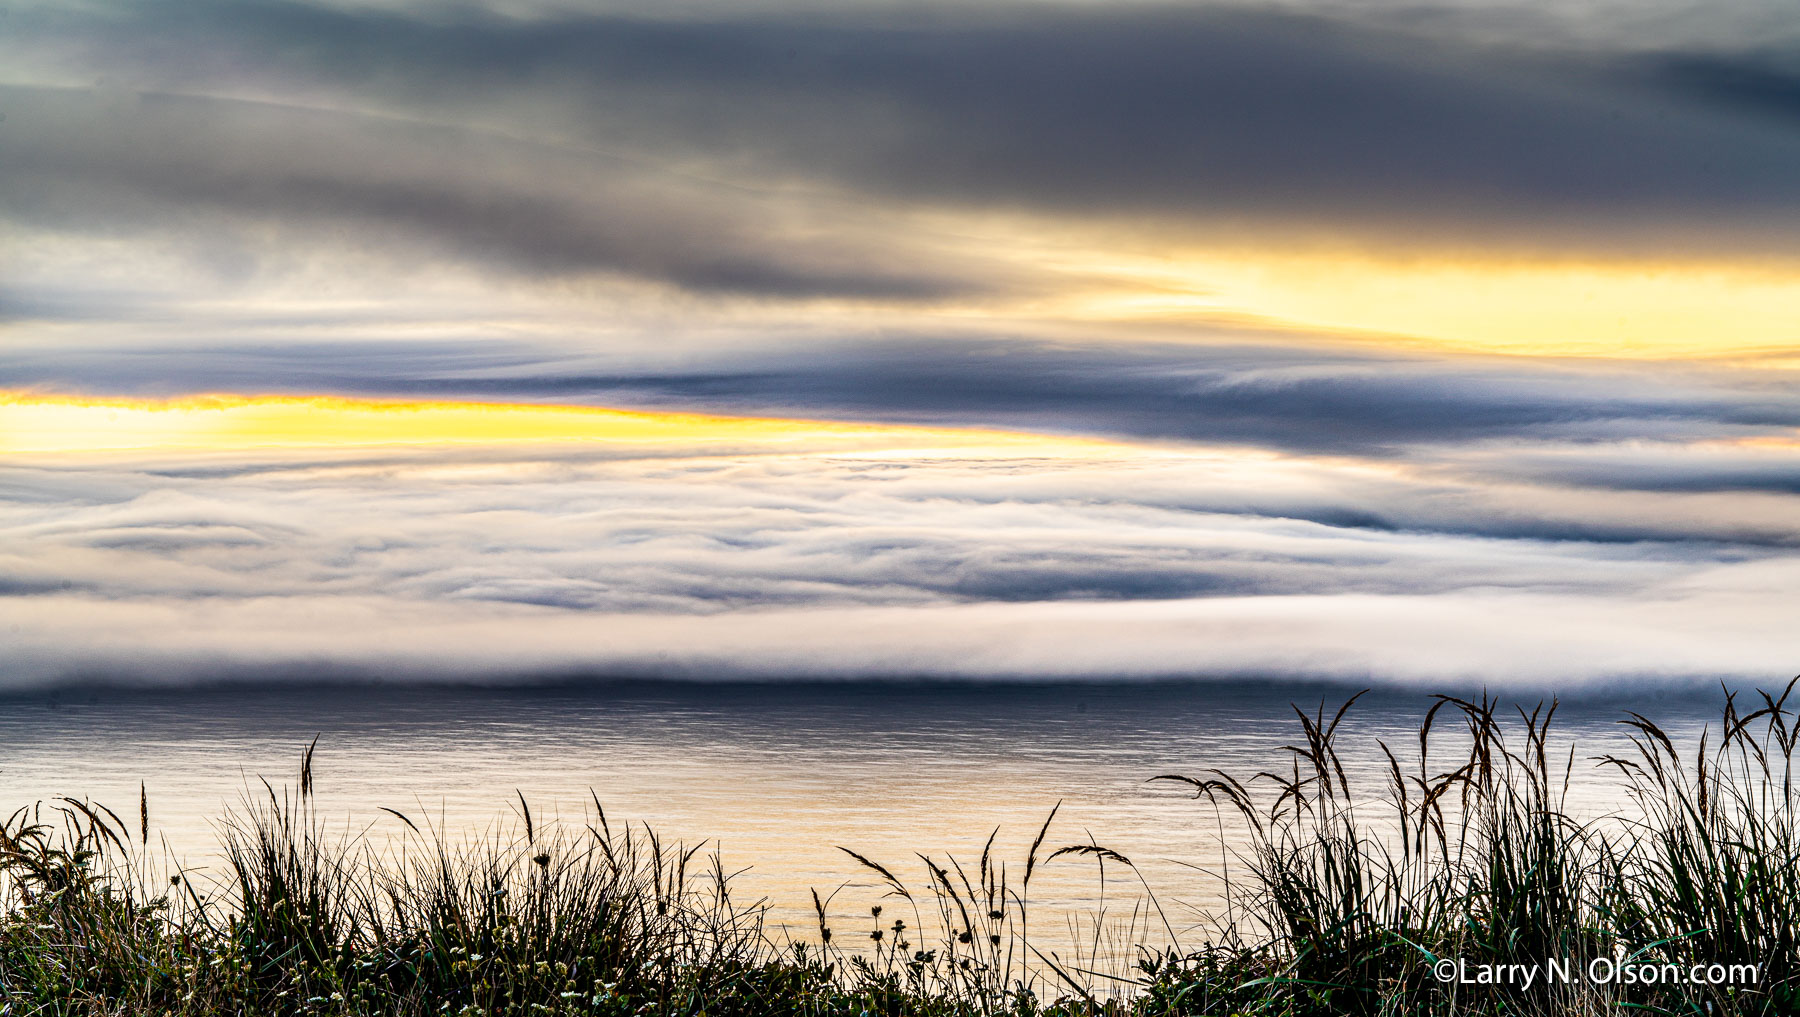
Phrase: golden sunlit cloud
x=37 y=424
x=1549 y=308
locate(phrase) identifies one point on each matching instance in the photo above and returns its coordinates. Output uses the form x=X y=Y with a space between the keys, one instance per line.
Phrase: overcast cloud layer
x=905 y=214
x=578 y=142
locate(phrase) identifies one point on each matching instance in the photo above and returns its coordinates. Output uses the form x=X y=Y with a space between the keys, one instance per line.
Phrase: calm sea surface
x=776 y=776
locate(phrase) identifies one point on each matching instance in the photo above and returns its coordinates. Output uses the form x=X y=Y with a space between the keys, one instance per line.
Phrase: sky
x=1435 y=341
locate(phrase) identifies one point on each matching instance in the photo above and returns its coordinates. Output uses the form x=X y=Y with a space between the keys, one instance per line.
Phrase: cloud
x=803 y=564
x=1756 y=83
x=776 y=211
x=238 y=184
x=1772 y=469
x=1573 y=642
x=1217 y=118
x=1238 y=388
x=1267 y=395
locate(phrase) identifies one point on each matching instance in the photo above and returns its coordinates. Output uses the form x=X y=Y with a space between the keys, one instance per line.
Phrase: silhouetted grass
x=1347 y=897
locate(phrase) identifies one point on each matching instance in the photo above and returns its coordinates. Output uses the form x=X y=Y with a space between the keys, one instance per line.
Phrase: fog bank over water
x=1127 y=562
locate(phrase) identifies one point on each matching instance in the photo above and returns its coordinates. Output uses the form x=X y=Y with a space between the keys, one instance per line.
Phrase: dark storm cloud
x=1212 y=116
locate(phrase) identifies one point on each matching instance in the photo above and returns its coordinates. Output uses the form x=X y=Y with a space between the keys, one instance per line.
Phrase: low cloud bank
x=1151 y=563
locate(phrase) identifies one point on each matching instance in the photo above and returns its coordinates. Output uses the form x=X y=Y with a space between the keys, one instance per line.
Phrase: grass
x=1345 y=901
